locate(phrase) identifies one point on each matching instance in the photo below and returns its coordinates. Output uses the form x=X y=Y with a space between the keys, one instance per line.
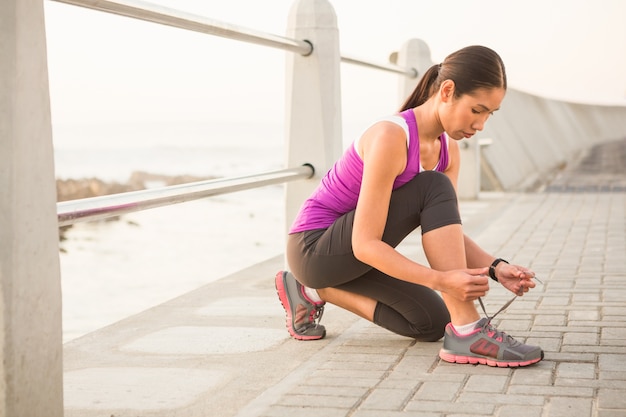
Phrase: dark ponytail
x=470 y=68
x=423 y=89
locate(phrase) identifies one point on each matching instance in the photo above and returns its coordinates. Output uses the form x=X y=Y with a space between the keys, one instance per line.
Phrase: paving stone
x=343 y=382
x=295 y=411
x=568 y=407
x=305 y=389
x=116 y=388
x=392 y=413
x=577 y=357
x=536 y=375
x=519 y=411
x=576 y=370
x=499 y=399
x=547 y=344
x=447 y=407
x=583 y=314
x=338 y=364
x=614 y=311
x=547 y=391
x=611 y=413
x=349 y=373
x=444 y=391
x=613 y=363
x=207 y=340
x=364 y=358
x=580 y=339
x=486 y=383
x=611 y=375
x=311 y=400
x=549 y=320
x=402 y=383
x=618 y=333
x=386 y=399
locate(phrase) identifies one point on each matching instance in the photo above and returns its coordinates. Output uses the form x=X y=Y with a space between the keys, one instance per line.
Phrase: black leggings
x=323 y=258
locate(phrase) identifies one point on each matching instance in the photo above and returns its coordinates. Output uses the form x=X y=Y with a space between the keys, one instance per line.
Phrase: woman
x=399 y=175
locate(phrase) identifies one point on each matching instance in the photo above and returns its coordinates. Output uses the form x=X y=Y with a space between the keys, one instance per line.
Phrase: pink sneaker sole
x=452 y=358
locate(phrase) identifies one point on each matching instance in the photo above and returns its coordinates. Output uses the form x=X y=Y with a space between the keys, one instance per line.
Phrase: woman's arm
x=383 y=149
x=475 y=256
x=515 y=278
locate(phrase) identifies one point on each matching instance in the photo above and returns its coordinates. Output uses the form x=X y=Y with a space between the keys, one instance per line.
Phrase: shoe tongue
x=508 y=339
x=481 y=323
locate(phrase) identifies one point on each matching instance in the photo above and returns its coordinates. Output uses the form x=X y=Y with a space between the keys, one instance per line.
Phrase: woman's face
x=464 y=116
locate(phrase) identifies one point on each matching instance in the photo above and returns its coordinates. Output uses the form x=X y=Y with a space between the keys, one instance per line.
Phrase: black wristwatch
x=492 y=268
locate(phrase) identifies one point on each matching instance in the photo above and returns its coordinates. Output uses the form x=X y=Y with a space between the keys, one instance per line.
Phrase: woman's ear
x=446 y=91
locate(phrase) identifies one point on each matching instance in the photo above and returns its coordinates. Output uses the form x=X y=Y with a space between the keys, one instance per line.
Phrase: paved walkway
x=222 y=350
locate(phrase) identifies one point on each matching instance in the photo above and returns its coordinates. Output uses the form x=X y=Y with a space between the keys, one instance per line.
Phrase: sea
x=111 y=270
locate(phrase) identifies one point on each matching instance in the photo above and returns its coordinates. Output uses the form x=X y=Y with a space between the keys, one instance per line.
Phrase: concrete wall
x=534 y=136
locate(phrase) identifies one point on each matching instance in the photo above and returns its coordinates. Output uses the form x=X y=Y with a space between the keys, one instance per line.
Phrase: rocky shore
x=75 y=189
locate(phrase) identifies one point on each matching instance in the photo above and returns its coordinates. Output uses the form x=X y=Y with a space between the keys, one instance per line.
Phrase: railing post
x=414 y=53
x=470 y=171
x=31 y=374
x=313 y=98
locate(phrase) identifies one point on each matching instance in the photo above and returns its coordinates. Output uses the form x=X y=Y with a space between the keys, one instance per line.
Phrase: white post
x=31 y=374
x=414 y=53
x=469 y=171
x=313 y=98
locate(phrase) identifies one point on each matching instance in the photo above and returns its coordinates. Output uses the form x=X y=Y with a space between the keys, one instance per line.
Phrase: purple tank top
x=338 y=192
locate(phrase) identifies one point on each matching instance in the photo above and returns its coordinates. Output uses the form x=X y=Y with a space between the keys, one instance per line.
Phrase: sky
x=106 y=69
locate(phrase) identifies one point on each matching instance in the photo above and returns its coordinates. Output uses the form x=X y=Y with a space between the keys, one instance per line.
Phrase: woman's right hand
x=466 y=284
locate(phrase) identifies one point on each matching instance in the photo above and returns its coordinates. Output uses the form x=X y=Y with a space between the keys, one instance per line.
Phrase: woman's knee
x=439 y=202
x=436 y=330
x=426 y=326
x=438 y=185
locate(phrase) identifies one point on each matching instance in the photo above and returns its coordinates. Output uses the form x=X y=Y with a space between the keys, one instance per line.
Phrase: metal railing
x=183 y=20
x=31 y=270
x=97 y=208
x=409 y=72
x=158 y=14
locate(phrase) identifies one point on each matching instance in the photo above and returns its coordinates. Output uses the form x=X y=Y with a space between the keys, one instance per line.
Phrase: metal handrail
x=158 y=14
x=102 y=207
x=409 y=72
x=97 y=208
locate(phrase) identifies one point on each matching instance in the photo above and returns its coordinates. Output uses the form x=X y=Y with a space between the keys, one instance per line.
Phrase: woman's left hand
x=515 y=278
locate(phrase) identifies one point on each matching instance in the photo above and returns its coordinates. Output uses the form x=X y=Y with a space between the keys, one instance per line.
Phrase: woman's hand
x=515 y=278
x=466 y=284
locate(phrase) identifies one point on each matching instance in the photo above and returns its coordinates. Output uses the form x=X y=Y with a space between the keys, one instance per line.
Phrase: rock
x=76 y=189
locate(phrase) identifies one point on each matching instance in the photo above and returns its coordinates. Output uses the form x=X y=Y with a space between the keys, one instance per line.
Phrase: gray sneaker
x=487 y=346
x=303 y=313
